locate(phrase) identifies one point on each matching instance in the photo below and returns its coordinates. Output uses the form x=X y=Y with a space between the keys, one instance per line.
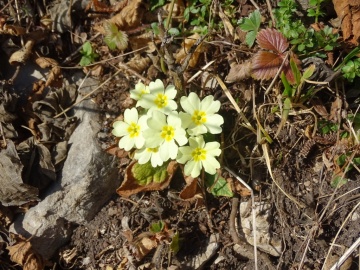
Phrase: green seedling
x=315 y=9
x=307 y=41
x=198 y=14
x=251 y=25
x=88 y=55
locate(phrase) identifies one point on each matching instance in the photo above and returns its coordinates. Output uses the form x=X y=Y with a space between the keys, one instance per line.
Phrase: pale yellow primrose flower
x=162 y=132
x=199 y=116
x=131 y=130
x=145 y=154
x=140 y=90
x=198 y=155
x=159 y=98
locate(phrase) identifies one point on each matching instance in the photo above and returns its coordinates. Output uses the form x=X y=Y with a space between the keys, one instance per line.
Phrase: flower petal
x=120 y=128
x=197 y=130
x=126 y=143
x=194 y=100
x=185 y=119
x=156 y=87
x=131 y=115
x=186 y=105
x=184 y=154
x=153 y=138
x=157 y=121
x=213 y=149
x=209 y=105
x=180 y=136
x=156 y=160
x=210 y=165
x=192 y=168
x=147 y=101
x=142 y=155
x=214 y=122
x=170 y=91
x=139 y=142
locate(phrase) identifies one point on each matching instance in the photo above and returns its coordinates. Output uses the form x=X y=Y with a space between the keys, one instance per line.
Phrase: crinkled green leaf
x=144 y=174
x=218 y=186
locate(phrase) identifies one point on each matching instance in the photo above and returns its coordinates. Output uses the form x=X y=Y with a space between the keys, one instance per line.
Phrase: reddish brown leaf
x=272 y=40
x=265 y=65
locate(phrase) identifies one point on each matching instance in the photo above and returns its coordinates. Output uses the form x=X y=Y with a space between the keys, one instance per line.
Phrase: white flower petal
x=194 y=100
x=214 y=122
x=171 y=105
x=142 y=122
x=157 y=121
x=210 y=165
x=174 y=120
x=185 y=119
x=192 y=168
x=152 y=138
x=131 y=115
x=180 y=136
x=184 y=154
x=147 y=101
x=164 y=152
x=197 y=130
x=139 y=142
x=186 y=105
x=172 y=149
x=126 y=143
x=142 y=155
x=209 y=105
x=120 y=128
x=170 y=92
x=213 y=148
x=156 y=160
x=156 y=87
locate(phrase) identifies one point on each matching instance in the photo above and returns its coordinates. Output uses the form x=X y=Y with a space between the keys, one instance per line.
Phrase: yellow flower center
x=153 y=150
x=133 y=130
x=198 y=154
x=167 y=133
x=161 y=100
x=199 y=117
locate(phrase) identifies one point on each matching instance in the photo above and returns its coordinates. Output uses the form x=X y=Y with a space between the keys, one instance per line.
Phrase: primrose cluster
x=161 y=133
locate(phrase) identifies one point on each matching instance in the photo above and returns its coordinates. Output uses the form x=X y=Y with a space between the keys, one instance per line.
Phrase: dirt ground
x=315 y=220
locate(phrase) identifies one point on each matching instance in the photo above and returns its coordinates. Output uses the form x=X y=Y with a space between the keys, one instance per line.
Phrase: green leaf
x=175 y=243
x=288 y=91
x=155 y=28
x=174 y=31
x=296 y=71
x=338 y=181
x=252 y=23
x=157 y=227
x=85 y=61
x=154 y=4
x=146 y=173
x=86 y=48
x=250 y=38
x=218 y=186
x=308 y=72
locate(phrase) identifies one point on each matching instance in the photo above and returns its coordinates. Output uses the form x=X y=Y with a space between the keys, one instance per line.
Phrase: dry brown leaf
x=45 y=62
x=22 y=254
x=20 y=56
x=55 y=72
x=185 y=48
x=13 y=191
x=239 y=72
x=139 y=63
x=129 y=17
x=349 y=13
x=141 y=41
x=13 y=30
x=144 y=246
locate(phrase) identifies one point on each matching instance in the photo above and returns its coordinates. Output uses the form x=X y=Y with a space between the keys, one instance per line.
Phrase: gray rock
x=89 y=178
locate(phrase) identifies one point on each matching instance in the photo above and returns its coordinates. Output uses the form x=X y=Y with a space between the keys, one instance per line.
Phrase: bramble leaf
x=265 y=65
x=272 y=40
